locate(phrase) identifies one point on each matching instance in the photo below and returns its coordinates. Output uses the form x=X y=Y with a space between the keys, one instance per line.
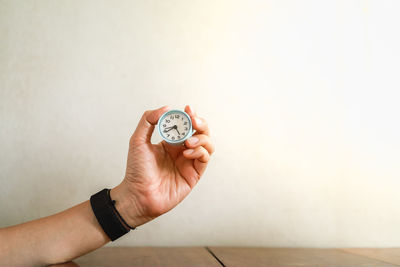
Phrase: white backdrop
x=302 y=98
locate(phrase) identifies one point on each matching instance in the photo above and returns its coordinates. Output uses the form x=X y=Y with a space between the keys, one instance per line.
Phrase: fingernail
x=198 y=121
x=189 y=151
x=193 y=140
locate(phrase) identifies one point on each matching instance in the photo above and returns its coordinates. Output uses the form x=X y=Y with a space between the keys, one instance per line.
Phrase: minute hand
x=176 y=128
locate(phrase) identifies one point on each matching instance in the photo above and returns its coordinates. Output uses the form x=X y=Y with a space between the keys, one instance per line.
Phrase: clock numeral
x=179 y=137
x=186 y=128
x=185 y=123
x=183 y=134
x=168 y=135
x=164 y=125
x=172 y=117
x=173 y=137
x=182 y=118
x=177 y=116
x=168 y=121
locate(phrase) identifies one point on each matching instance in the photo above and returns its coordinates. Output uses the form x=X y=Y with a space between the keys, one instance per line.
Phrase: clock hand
x=176 y=128
x=169 y=129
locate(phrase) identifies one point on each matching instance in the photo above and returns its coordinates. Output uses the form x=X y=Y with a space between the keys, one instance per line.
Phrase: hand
x=159 y=176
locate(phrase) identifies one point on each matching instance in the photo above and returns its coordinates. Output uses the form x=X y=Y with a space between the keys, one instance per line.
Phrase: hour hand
x=166 y=130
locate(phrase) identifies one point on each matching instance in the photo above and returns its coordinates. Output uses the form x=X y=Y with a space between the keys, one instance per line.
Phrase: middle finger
x=200 y=140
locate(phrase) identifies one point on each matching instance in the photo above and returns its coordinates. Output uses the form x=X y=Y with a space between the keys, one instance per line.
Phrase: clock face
x=174 y=126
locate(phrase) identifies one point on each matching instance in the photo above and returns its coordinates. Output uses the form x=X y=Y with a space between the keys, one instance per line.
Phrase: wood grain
x=390 y=255
x=284 y=257
x=147 y=256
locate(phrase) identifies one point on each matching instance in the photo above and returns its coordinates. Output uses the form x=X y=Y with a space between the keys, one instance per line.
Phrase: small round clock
x=175 y=126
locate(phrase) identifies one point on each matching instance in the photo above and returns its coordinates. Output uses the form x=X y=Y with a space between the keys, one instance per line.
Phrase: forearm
x=54 y=239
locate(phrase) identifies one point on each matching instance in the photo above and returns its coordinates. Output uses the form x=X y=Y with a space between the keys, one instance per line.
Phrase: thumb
x=146 y=124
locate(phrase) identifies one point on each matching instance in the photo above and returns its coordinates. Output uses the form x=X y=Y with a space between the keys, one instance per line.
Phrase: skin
x=158 y=177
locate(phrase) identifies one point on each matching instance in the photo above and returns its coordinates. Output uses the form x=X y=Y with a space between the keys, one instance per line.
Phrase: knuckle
x=197 y=176
x=146 y=113
x=205 y=158
x=204 y=139
x=204 y=153
x=212 y=148
x=203 y=150
x=209 y=144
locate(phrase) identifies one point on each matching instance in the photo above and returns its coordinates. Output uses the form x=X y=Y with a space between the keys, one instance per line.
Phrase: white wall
x=302 y=98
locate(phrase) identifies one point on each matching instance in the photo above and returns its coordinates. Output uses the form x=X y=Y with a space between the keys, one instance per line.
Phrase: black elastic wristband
x=104 y=211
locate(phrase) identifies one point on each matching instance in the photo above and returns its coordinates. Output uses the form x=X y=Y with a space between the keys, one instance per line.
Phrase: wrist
x=127 y=206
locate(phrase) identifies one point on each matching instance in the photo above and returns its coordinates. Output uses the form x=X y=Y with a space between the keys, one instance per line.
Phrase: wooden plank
x=284 y=257
x=390 y=255
x=147 y=256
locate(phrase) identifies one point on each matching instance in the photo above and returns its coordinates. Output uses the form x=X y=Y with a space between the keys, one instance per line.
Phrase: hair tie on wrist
x=116 y=211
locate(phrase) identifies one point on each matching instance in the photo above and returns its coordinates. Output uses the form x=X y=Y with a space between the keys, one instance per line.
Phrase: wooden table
x=237 y=256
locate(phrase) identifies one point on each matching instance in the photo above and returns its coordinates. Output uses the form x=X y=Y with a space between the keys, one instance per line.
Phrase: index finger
x=199 y=124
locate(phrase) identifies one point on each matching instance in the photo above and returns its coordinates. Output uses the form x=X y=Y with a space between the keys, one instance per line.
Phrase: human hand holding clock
x=159 y=176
